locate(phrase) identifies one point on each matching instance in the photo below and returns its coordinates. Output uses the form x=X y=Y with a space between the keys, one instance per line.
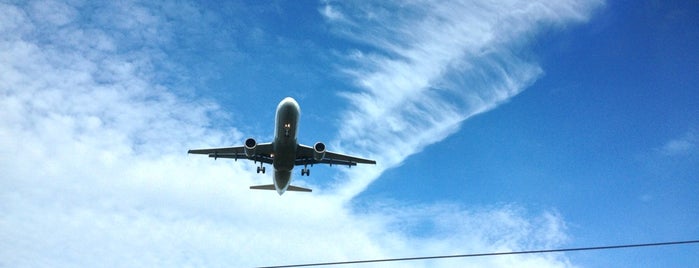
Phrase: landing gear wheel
x=305 y=172
x=261 y=169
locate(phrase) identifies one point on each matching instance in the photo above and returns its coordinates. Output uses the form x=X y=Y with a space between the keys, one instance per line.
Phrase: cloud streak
x=94 y=125
x=435 y=64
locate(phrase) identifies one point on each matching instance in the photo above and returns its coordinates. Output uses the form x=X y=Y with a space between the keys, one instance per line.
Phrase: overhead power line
x=491 y=254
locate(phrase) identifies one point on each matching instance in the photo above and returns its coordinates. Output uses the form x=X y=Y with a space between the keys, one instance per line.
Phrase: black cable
x=491 y=254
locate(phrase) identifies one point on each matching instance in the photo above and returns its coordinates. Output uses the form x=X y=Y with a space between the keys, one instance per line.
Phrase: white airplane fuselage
x=285 y=143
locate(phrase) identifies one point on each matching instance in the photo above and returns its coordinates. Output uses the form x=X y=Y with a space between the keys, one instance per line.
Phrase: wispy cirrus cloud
x=94 y=128
x=430 y=65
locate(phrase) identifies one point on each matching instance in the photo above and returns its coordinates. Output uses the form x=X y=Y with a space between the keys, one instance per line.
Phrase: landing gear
x=287 y=127
x=261 y=169
x=306 y=172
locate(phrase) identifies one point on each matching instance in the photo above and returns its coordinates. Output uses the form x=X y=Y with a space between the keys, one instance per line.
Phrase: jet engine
x=250 y=145
x=318 y=151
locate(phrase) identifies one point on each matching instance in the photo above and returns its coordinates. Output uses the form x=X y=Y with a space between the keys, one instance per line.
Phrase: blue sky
x=516 y=125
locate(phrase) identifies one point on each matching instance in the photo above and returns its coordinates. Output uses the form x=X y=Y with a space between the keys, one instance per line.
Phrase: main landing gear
x=261 y=169
x=305 y=171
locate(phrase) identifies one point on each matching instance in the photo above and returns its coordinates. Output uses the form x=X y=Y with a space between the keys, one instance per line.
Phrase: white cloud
x=435 y=64
x=681 y=146
x=330 y=13
x=53 y=12
x=94 y=169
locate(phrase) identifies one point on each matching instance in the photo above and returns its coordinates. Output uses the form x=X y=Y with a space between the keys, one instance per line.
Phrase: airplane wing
x=263 y=153
x=304 y=156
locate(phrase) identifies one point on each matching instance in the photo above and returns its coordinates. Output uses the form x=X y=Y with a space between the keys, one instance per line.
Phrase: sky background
x=497 y=126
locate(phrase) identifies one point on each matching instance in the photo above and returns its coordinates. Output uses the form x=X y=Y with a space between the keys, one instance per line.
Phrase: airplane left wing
x=263 y=153
x=305 y=156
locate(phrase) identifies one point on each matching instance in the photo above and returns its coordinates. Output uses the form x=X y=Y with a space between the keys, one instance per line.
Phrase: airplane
x=284 y=152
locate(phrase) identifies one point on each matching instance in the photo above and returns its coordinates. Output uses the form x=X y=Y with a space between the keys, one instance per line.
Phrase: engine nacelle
x=318 y=151
x=250 y=145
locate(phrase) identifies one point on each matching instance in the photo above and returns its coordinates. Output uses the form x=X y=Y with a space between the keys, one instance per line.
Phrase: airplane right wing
x=305 y=156
x=262 y=153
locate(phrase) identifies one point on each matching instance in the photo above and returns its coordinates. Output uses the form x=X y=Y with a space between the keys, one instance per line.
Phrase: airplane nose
x=289 y=101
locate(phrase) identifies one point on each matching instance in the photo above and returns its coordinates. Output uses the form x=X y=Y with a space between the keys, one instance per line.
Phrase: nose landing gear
x=287 y=127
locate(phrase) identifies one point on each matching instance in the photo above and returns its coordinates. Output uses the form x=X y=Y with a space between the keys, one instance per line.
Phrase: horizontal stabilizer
x=263 y=187
x=298 y=189
x=271 y=187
